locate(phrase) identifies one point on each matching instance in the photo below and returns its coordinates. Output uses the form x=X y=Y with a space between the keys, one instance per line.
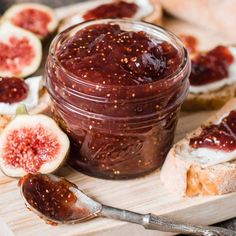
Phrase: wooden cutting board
x=143 y=195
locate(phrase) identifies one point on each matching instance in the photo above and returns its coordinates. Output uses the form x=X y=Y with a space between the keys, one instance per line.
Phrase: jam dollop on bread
x=117 y=9
x=220 y=136
x=13 y=90
x=211 y=66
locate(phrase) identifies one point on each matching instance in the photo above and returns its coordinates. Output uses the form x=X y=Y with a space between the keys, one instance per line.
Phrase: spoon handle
x=161 y=223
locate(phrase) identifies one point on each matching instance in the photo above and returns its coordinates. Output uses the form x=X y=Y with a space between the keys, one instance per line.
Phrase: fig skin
x=8 y=30
x=17 y=8
x=30 y=121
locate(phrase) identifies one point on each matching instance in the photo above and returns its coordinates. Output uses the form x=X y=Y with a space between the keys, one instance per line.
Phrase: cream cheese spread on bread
x=207 y=156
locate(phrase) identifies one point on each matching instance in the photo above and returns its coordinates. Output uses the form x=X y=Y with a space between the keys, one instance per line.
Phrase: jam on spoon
x=53 y=198
x=46 y=194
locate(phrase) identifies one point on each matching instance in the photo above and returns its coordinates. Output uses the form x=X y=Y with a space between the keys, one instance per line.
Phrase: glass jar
x=117 y=132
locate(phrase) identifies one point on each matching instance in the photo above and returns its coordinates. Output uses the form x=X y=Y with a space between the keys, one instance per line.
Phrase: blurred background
x=4 y=4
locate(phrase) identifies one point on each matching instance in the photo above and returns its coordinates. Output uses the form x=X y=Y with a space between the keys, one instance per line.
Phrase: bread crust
x=209 y=101
x=175 y=169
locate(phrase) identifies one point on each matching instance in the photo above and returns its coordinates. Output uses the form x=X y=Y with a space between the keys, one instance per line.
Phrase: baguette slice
x=209 y=101
x=75 y=14
x=184 y=175
x=206 y=41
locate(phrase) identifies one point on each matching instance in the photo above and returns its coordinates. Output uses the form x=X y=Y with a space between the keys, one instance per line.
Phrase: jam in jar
x=117 y=87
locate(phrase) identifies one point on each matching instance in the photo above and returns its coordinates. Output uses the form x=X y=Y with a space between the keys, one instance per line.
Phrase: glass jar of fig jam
x=117 y=87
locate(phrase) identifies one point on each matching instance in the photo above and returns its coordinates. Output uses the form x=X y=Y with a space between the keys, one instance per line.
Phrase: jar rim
x=143 y=27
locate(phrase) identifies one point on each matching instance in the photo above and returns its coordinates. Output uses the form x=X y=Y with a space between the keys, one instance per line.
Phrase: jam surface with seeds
x=106 y=54
x=15 y=54
x=54 y=199
x=13 y=90
x=211 y=67
x=34 y=20
x=220 y=137
x=30 y=147
x=112 y=10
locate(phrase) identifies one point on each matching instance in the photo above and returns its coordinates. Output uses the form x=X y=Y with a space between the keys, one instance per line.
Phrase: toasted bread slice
x=74 y=14
x=206 y=41
x=184 y=175
x=209 y=101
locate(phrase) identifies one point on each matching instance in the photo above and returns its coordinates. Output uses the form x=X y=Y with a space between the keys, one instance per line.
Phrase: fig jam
x=117 y=93
x=190 y=42
x=13 y=90
x=117 y=9
x=220 y=136
x=53 y=199
x=211 y=66
x=107 y=55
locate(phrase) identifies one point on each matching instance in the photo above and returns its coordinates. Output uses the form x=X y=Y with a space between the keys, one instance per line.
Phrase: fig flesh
x=32 y=144
x=36 y=18
x=20 y=51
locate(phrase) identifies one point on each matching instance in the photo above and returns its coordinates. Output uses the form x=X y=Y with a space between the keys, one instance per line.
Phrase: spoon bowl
x=35 y=190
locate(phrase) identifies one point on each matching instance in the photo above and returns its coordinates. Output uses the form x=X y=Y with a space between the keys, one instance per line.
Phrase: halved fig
x=32 y=144
x=148 y=10
x=20 y=51
x=36 y=18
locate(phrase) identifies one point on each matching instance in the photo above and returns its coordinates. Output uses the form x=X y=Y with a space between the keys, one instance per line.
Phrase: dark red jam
x=107 y=55
x=118 y=9
x=53 y=199
x=219 y=137
x=117 y=98
x=211 y=66
x=190 y=42
x=13 y=90
x=34 y=20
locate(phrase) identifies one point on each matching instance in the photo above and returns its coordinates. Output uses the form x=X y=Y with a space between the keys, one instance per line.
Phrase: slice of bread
x=206 y=41
x=184 y=175
x=209 y=101
x=42 y=107
x=74 y=14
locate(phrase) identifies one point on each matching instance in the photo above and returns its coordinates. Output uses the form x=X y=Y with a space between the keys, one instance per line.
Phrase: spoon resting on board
x=58 y=201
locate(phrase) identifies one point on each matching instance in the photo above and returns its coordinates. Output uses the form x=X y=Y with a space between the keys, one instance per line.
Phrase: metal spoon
x=80 y=207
